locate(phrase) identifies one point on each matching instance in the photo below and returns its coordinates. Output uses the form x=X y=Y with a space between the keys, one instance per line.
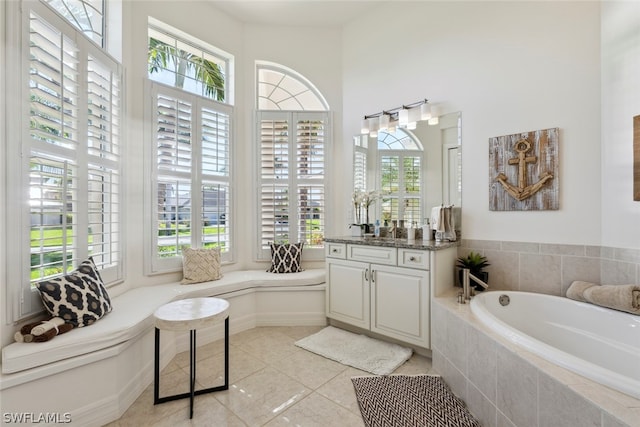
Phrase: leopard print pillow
x=79 y=298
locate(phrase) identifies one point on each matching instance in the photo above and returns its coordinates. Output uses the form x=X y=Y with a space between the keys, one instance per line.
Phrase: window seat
x=132 y=316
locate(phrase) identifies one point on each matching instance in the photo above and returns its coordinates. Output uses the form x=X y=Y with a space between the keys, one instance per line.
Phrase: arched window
x=293 y=133
x=281 y=88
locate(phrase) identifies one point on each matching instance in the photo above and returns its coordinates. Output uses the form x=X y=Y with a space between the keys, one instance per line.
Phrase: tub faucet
x=466 y=285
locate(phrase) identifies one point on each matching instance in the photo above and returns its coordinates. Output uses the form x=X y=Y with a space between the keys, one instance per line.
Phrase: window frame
x=400 y=196
x=22 y=297
x=292 y=181
x=187 y=40
x=293 y=116
x=159 y=265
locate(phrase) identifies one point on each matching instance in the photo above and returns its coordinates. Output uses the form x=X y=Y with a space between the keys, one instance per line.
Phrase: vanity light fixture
x=425 y=111
x=383 y=121
x=435 y=112
x=364 y=127
x=405 y=116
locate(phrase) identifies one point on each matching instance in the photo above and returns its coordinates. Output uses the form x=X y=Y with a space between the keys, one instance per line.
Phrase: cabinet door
x=348 y=292
x=400 y=304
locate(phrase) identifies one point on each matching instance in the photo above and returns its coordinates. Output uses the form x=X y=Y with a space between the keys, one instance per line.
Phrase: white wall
x=620 y=102
x=509 y=67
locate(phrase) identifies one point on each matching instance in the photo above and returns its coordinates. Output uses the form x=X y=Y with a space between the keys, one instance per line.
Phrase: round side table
x=190 y=315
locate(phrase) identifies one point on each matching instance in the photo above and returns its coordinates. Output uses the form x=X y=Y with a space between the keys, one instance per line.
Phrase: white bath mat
x=359 y=351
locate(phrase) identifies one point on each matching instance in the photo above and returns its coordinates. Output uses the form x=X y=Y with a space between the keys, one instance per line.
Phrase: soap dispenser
x=376 y=229
x=426 y=231
x=411 y=233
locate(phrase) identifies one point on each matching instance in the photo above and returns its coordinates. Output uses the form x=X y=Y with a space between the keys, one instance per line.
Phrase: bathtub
x=595 y=342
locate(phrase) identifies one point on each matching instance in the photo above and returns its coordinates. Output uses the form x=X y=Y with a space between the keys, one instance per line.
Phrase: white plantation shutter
x=68 y=159
x=215 y=188
x=53 y=212
x=274 y=149
x=174 y=119
x=310 y=156
x=274 y=214
x=53 y=84
x=191 y=175
x=292 y=178
x=401 y=179
x=359 y=170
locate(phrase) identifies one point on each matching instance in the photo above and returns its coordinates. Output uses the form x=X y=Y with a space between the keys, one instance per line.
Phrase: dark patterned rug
x=410 y=401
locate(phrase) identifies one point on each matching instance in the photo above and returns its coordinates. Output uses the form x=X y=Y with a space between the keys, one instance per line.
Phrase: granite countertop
x=431 y=245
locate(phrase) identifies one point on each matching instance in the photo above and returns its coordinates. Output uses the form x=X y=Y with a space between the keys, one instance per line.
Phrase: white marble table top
x=191 y=313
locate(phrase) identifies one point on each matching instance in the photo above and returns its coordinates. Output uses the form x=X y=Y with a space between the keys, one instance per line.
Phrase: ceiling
x=306 y=13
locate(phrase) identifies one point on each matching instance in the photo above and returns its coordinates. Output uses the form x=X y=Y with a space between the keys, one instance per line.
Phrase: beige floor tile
x=271 y=347
x=340 y=389
x=262 y=396
x=210 y=371
x=317 y=411
x=417 y=365
x=309 y=368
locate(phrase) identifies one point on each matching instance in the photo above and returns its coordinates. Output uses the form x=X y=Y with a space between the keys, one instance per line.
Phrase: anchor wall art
x=523 y=171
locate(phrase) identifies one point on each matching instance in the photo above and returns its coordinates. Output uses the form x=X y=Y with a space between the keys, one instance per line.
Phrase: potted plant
x=476 y=264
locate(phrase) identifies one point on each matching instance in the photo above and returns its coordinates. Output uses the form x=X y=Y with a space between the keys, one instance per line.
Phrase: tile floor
x=272 y=383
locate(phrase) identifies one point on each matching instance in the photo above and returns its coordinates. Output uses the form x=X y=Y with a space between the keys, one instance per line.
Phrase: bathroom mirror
x=413 y=170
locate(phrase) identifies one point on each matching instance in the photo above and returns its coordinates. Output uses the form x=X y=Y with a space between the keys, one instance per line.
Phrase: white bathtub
x=595 y=342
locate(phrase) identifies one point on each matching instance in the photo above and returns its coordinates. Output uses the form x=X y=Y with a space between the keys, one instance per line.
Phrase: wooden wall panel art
x=636 y=158
x=523 y=171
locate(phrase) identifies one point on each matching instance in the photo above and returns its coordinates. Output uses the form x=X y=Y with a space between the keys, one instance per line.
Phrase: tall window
x=291 y=164
x=191 y=133
x=400 y=157
x=67 y=163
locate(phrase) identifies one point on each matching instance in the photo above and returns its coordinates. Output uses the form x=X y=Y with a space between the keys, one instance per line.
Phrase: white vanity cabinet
x=382 y=289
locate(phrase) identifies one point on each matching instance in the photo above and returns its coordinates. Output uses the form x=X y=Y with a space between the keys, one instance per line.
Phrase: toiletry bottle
x=376 y=229
x=426 y=232
x=411 y=233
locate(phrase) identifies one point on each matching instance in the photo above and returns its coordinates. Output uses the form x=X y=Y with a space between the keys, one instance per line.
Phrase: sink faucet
x=394 y=228
x=466 y=285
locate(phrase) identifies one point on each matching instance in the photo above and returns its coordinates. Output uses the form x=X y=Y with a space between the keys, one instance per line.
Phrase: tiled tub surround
x=505 y=385
x=551 y=268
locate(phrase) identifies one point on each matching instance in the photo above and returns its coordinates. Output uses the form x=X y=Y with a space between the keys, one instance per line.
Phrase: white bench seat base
x=132 y=315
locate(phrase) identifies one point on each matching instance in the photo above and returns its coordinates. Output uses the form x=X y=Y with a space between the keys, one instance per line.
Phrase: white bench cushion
x=132 y=315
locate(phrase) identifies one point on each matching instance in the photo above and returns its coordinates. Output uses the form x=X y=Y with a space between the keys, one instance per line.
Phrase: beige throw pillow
x=200 y=265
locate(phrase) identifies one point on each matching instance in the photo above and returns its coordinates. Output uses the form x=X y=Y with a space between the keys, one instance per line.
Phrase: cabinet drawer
x=336 y=250
x=412 y=258
x=375 y=254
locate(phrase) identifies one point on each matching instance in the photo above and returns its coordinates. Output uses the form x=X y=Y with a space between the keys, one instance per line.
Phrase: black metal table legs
x=192 y=370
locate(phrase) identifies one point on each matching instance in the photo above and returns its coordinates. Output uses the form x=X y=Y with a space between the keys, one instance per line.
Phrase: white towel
x=443 y=222
x=435 y=217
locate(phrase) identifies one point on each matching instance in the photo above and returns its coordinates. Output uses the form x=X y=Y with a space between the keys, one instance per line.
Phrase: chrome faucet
x=394 y=228
x=466 y=285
